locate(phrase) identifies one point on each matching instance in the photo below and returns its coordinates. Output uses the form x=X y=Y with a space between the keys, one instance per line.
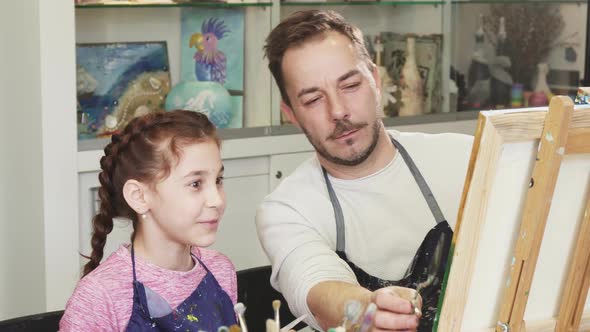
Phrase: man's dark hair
x=300 y=27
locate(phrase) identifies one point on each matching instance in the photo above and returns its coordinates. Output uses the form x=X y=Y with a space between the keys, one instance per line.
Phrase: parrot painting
x=210 y=62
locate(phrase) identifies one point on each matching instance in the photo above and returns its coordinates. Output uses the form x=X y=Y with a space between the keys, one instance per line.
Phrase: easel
x=561 y=131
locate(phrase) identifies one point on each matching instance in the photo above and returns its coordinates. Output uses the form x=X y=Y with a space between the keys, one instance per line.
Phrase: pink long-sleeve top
x=103 y=300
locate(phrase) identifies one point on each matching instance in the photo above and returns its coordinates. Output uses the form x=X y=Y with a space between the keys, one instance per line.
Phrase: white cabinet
x=281 y=165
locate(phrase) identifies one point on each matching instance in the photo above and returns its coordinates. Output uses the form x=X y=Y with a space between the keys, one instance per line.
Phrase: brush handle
x=368 y=317
x=271 y=326
x=243 y=323
x=293 y=323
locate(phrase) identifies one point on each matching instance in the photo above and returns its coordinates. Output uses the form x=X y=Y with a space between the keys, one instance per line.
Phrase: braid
x=102 y=223
x=134 y=154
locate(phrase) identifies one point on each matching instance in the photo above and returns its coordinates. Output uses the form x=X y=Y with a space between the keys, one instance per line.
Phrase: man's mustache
x=343 y=126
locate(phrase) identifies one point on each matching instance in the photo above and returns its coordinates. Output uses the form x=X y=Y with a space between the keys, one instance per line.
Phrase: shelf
x=288 y=129
x=507 y=2
x=362 y=3
x=172 y=5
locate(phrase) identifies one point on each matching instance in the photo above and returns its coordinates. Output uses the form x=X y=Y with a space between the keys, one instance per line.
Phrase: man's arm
x=327 y=299
x=300 y=252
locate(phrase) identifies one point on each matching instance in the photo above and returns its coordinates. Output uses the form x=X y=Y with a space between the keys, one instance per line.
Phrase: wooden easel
x=561 y=131
x=578 y=279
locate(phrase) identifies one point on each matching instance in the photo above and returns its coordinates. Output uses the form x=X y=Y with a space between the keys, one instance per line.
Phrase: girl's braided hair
x=146 y=151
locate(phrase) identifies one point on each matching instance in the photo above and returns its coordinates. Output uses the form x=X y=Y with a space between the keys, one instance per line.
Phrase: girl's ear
x=135 y=194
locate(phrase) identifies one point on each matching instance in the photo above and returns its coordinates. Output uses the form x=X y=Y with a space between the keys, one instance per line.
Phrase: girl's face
x=187 y=206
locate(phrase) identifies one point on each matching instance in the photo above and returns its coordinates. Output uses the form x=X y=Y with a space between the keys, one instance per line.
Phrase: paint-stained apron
x=206 y=309
x=418 y=270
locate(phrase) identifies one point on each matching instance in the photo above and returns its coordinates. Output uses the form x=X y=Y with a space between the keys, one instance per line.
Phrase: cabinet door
x=237 y=237
x=281 y=165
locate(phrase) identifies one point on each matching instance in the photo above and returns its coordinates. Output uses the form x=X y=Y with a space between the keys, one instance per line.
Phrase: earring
x=144 y=216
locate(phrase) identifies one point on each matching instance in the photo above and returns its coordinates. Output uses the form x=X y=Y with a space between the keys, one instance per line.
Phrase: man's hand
x=394 y=310
x=327 y=299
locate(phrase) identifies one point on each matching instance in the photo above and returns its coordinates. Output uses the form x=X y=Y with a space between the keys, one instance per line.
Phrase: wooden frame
x=559 y=131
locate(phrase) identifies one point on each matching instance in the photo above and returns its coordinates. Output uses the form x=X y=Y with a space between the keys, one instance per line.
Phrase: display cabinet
x=453 y=41
x=531 y=50
x=393 y=20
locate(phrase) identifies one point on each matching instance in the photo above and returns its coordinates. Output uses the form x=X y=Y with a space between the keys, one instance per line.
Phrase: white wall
x=60 y=146
x=38 y=177
x=22 y=269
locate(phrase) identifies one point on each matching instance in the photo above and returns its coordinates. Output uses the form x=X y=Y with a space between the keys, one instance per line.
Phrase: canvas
x=428 y=59
x=118 y=81
x=212 y=43
x=520 y=248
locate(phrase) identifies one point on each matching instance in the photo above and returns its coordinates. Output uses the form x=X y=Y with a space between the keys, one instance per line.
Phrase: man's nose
x=338 y=109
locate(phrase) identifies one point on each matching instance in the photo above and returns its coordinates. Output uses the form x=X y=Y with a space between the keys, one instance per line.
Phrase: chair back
x=44 y=322
x=257 y=294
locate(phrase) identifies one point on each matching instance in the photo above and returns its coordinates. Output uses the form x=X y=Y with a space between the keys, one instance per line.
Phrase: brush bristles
x=239 y=308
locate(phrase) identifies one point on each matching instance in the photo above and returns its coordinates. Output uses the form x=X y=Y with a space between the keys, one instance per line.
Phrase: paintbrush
x=291 y=325
x=367 y=320
x=276 y=305
x=432 y=270
x=235 y=328
x=352 y=312
x=240 y=308
x=271 y=326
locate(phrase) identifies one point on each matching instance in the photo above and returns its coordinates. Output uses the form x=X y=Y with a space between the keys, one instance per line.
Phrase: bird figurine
x=210 y=62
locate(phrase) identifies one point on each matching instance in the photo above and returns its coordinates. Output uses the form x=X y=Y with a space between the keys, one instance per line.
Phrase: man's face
x=334 y=99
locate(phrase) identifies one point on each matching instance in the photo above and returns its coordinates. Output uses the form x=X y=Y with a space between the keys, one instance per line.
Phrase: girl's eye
x=219 y=180
x=195 y=184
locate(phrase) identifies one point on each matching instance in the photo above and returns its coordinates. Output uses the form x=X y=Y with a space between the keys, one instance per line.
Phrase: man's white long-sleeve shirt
x=386 y=217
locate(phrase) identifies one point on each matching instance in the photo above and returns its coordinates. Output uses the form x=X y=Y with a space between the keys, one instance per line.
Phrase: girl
x=164 y=173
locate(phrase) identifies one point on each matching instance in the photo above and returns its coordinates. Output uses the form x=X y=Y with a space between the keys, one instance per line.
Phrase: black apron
x=417 y=271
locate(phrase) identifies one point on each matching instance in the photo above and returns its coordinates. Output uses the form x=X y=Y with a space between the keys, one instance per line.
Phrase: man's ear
x=135 y=194
x=288 y=112
x=377 y=78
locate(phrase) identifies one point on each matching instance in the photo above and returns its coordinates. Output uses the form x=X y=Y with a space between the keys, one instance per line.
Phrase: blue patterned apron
x=206 y=309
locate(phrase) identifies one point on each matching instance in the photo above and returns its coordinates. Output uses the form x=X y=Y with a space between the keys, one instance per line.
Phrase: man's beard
x=341 y=127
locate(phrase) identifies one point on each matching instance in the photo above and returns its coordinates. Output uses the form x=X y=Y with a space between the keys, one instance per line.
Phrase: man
x=352 y=221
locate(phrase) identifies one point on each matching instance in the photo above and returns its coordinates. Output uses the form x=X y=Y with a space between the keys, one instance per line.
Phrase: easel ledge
x=548 y=325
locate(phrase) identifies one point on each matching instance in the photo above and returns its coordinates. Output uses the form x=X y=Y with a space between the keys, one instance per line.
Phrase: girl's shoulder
x=213 y=259
x=112 y=273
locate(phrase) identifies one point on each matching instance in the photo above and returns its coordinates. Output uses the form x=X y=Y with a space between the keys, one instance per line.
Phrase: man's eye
x=311 y=101
x=219 y=180
x=195 y=184
x=352 y=86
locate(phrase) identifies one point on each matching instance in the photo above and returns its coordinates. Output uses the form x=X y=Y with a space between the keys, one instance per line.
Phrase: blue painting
x=117 y=82
x=212 y=50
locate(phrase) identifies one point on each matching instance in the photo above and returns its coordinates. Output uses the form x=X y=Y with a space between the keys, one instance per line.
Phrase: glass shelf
x=361 y=3
x=532 y=2
x=289 y=129
x=172 y=5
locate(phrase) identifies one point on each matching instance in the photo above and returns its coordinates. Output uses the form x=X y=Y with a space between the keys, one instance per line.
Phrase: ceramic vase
x=411 y=83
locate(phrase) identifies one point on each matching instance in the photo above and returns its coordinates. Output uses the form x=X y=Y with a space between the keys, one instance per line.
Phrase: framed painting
x=118 y=81
x=212 y=50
